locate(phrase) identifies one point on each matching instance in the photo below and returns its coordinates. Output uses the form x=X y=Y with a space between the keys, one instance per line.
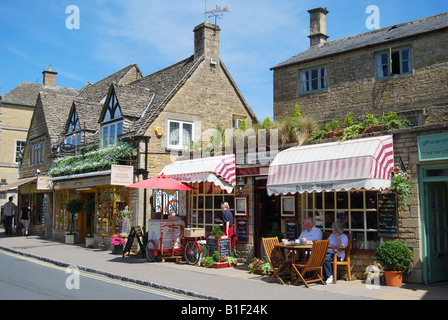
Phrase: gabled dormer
x=73 y=128
x=111 y=120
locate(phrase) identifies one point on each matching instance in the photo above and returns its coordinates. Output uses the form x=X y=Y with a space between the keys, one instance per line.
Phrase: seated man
x=337 y=240
x=310 y=232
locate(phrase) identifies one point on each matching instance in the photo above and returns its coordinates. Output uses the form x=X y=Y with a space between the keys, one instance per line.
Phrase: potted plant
x=117 y=243
x=216 y=232
x=395 y=258
x=73 y=207
x=259 y=266
x=89 y=209
x=402 y=185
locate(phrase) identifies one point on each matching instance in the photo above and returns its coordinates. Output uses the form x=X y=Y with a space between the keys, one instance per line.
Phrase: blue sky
x=255 y=36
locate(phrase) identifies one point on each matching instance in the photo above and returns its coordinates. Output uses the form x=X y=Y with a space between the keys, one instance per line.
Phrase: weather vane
x=217 y=13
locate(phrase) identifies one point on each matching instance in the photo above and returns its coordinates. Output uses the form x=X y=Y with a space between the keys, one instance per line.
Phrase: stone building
x=159 y=116
x=16 y=110
x=403 y=69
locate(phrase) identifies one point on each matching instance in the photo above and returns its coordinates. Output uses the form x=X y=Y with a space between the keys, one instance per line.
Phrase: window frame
x=113 y=118
x=37 y=153
x=309 y=80
x=389 y=52
x=181 y=123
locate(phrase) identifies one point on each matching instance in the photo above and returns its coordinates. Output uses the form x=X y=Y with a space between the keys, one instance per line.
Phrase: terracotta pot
x=394 y=278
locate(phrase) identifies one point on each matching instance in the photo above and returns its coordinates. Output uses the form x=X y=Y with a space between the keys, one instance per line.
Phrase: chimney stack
x=50 y=77
x=318 y=26
x=206 y=42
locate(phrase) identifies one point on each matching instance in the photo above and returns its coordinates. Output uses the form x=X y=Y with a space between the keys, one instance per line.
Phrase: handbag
x=19 y=226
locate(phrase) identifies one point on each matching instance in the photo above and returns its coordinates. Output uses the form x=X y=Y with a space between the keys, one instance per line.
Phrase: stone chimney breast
x=318 y=26
x=49 y=77
x=206 y=41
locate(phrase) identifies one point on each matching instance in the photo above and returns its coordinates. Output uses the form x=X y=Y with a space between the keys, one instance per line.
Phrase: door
x=84 y=221
x=437 y=230
x=434 y=215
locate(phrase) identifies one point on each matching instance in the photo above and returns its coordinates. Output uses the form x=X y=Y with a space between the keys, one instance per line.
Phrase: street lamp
x=240 y=186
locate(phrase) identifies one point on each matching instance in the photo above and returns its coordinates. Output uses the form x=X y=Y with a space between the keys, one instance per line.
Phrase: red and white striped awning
x=349 y=165
x=219 y=170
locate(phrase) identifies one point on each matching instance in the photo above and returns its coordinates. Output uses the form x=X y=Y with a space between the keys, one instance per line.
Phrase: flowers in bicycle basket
x=117 y=241
x=401 y=184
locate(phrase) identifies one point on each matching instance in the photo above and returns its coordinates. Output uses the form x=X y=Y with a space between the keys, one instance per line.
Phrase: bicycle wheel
x=151 y=251
x=191 y=252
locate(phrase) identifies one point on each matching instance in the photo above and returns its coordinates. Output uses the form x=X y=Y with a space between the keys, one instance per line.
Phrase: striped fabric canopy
x=354 y=164
x=219 y=170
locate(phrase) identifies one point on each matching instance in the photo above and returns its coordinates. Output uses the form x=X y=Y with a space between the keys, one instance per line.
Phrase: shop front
x=337 y=181
x=104 y=197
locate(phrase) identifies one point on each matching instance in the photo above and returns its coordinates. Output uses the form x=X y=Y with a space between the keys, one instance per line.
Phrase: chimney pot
x=318 y=26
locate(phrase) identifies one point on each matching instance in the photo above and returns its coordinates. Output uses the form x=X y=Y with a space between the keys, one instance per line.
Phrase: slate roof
x=381 y=36
x=96 y=92
x=157 y=88
x=56 y=108
x=26 y=93
x=88 y=112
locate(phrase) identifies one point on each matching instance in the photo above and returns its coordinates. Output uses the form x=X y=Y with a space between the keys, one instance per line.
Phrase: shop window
x=110 y=201
x=61 y=217
x=205 y=205
x=356 y=210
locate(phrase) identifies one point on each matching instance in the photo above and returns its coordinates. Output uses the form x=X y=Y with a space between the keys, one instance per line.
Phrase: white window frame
x=380 y=65
x=37 y=153
x=180 y=145
x=306 y=79
x=20 y=145
x=118 y=131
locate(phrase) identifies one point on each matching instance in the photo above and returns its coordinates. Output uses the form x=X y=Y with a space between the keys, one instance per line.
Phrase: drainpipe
x=145 y=176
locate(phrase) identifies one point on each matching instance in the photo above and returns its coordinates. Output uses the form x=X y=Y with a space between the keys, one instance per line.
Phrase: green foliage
x=91 y=161
x=89 y=207
x=266 y=123
x=401 y=184
x=297 y=113
x=216 y=231
x=243 y=125
x=349 y=120
x=394 y=256
x=333 y=125
x=74 y=206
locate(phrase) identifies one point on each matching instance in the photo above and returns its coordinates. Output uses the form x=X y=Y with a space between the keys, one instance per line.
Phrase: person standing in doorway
x=9 y=210
x=24 y=218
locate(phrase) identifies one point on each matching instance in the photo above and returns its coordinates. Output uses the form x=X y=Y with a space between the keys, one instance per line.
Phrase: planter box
x=70 y=238
x=90 y=242
x=220 y=265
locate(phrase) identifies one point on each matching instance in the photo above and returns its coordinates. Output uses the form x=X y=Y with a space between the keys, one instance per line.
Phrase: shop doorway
x=435 y=224
x=267 y=216
x=85 y=226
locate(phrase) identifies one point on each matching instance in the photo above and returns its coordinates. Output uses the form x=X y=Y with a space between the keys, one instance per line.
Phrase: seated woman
x=338 y=240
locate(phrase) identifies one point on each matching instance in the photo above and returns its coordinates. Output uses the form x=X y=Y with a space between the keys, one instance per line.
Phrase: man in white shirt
x=9 y=210
x=310 y=232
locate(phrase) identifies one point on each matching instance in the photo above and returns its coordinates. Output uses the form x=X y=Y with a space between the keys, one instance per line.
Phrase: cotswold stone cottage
x=403 y=69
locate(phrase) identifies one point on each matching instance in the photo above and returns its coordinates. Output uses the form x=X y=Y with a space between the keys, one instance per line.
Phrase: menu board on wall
x=387 y=215
x=291 y=230
x=242 y=231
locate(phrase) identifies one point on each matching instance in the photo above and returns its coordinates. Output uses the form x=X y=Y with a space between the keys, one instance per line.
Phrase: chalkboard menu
x=387 y=215
x=221 y=245
x=136 y=232
x=291 y=230
x=242 y=231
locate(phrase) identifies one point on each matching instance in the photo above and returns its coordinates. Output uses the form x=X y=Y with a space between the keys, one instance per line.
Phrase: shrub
x=394 y=256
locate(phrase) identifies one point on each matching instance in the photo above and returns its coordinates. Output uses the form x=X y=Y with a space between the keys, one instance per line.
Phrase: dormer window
x=112 y=124
x=73 y=136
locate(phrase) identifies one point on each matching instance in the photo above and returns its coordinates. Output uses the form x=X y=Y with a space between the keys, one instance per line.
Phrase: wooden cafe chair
x=346 y=261
x=311 y=271
x=275 y=257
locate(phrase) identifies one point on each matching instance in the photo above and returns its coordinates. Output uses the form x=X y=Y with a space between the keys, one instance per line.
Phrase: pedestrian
x=228 y=223
x=9 y=210
x=24 y=218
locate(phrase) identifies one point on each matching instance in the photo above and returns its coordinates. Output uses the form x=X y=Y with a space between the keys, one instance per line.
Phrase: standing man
x=9 y=210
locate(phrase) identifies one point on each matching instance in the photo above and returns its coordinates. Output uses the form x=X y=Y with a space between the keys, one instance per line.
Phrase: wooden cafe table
x=291 y=248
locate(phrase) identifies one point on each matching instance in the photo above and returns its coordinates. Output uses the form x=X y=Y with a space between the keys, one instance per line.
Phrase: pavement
x=234 y=283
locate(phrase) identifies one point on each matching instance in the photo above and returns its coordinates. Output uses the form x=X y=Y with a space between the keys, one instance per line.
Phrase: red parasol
x=161 y=182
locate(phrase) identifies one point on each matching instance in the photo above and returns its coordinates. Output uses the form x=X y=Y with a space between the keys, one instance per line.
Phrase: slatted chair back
x=274 y=256
x=314 y=264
